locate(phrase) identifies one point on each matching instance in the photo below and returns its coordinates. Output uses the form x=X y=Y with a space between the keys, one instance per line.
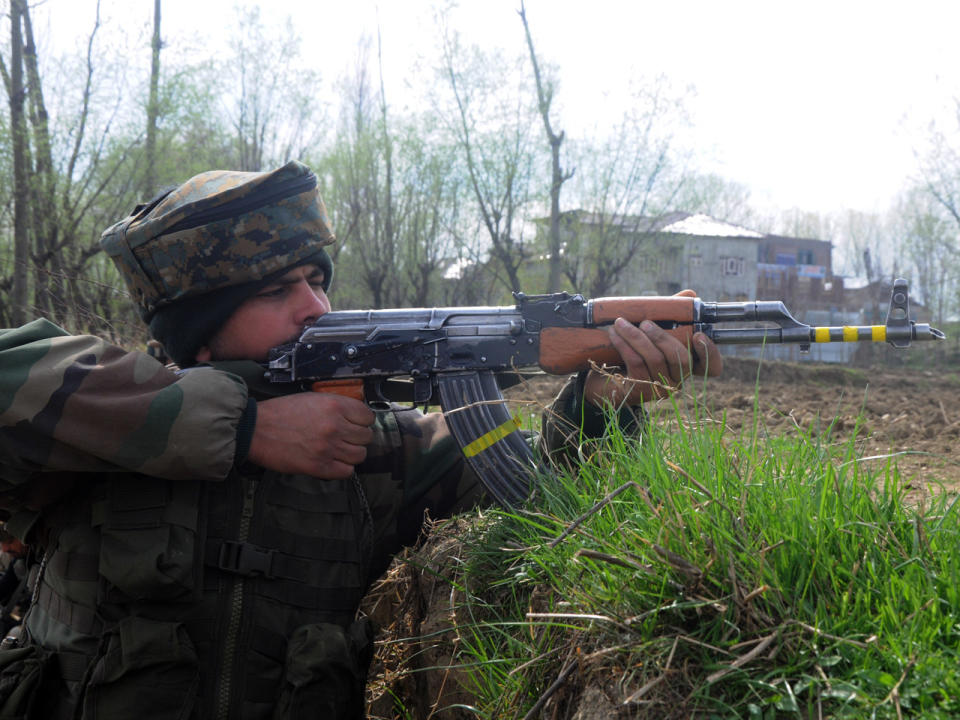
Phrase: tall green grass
x=700 y=573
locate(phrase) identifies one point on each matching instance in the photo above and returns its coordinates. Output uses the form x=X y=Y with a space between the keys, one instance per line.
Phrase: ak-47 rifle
x=460 y=357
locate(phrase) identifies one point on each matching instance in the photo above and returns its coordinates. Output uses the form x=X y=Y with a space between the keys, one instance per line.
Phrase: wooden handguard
x=567 y=350
x=636 y=309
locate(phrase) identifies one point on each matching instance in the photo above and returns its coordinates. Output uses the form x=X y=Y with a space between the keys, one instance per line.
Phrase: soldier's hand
x=656 y=363
x=319 y=434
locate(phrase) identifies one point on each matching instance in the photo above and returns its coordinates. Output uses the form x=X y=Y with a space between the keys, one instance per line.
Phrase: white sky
x=817 y=105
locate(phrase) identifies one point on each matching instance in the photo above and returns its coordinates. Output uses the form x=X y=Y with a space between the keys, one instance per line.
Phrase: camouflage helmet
x=219 y=229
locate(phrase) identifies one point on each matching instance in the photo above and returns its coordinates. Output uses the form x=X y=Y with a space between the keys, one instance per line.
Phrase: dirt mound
x=415 y=605
x=420 y=608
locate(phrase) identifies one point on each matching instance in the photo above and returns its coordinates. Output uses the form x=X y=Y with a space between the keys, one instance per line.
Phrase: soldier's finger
x=351 y=454
x=675 y=353
x=640 y=357
x=644 y=361
x=665 y=356
x=357 y=412
x=709 y=361
x=358 y=435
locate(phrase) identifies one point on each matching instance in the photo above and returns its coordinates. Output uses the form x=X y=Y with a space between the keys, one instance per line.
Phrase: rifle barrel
x=803 y=334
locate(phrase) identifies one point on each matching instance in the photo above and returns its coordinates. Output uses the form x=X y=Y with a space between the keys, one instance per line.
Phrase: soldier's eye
x=271 y=292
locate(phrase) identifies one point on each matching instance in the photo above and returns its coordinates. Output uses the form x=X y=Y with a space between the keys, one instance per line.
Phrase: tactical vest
x=230 y=600
x=175 y=599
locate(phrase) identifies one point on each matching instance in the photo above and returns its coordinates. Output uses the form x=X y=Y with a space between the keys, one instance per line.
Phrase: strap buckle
x=246 y=559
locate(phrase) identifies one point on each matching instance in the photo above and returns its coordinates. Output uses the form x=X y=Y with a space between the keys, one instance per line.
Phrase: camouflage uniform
x=178 y=579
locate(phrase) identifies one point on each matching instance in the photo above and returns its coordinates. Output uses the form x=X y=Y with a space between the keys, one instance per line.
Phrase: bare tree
x=940 y=167
x=801 y=223
x=558 y=175
x=861 y=235
x=43 y=188
x=717 y=197
x=491 y=127
x=68 y=172
x=868 y=248
x=153 y=106
x=940 y=173
x=929 y=240
x=390 y=198
x=429 y=202
x=276 y=115
x=66 y=195
x=634 y=172
x=362 y=198
x=18 y=131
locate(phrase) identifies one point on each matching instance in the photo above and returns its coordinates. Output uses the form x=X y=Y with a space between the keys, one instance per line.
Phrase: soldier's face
x=273 y=316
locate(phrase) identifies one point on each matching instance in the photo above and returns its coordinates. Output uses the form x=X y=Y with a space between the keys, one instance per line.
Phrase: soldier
x=206 y=543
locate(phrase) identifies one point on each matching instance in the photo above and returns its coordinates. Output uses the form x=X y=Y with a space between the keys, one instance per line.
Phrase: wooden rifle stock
x=568 y=350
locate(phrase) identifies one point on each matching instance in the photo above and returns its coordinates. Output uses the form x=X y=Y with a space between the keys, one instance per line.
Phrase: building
x=798 y=271
x=723 y=262
x=668 y=253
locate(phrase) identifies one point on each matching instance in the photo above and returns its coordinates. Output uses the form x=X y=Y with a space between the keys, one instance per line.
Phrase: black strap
x=323 y=547
x=250 y=560
x=73 y=665
x=15 y=598
x=78 y=617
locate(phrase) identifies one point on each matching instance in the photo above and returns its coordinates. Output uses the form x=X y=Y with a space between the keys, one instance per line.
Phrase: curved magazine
x=489 y=437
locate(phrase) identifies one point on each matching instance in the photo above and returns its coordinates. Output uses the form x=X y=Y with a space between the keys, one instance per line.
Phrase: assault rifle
x=459 y=358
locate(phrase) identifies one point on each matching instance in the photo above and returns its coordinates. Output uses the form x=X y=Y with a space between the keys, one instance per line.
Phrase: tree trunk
x=153 y=109
x=558 y=176
x=48 y=276
x=21 y=191
x=389 y=231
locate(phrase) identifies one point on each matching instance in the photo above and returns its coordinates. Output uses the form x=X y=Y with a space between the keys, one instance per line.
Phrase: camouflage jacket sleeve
x=77 y=403
x=570 y=422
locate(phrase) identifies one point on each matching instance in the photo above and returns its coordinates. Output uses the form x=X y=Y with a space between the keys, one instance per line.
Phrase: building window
x=732 y=265
x=804 y=257
x=651 y=263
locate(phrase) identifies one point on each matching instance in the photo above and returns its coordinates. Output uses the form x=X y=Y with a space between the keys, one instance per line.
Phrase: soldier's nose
x=312 y=303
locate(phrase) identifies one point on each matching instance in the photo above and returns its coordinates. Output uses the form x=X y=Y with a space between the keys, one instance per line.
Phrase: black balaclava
x=187 y=325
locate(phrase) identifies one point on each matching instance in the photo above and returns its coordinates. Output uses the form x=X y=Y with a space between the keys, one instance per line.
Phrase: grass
x=697 y=573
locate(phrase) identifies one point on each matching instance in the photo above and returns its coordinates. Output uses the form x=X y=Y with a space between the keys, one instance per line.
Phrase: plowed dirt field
x=913 y=417
x=910 y=417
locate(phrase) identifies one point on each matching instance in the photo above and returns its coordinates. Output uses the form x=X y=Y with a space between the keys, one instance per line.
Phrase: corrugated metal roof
x=709 y=227
x=680 y=223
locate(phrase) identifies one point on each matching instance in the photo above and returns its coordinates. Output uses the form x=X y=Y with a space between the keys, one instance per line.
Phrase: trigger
x=422 y=390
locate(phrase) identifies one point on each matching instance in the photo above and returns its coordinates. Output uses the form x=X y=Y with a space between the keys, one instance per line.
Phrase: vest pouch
x=149 y=546
x=145 y=669
x=23 y=672
x=325 y=672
